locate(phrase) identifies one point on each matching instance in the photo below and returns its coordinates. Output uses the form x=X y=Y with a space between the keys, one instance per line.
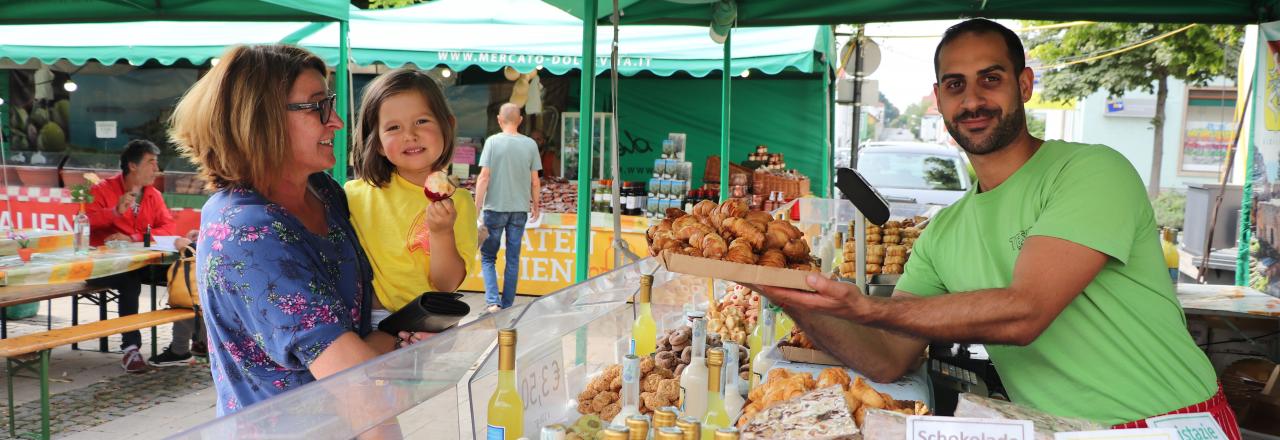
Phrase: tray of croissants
x=729 y=241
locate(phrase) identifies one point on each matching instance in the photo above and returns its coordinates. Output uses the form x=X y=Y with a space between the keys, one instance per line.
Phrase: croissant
x=760 y=217
x=651 y=232
x=833 y=376
x=910 y=232
x=796 y=250
x=787 y=227
x=807 y=267
x=703 y=208
x=773 y=258
x=740 y=252
x=892 y=224
x=909 y=241
x=681 y=223
x=734 y=208
x=675 y=213
x=713 y=246
x=743 y=229
x=686 y=232
x=776 y=238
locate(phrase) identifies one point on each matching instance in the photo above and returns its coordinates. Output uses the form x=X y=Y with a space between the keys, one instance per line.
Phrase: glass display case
x=601 y=131
x=104 y=165
x=440 y=388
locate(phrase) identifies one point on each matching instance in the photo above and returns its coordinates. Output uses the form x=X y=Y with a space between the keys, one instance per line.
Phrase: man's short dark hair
x=983 y=26
x=134 y=151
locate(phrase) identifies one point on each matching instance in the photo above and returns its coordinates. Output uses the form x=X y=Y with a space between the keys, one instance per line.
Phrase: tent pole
x=586 y=111
x=724 y=115
x=340 y=139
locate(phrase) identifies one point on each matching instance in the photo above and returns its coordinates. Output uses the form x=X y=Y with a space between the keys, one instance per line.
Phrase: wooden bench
x=44 y=342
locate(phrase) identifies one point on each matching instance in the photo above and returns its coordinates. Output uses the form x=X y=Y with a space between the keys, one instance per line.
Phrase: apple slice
x=438 y=187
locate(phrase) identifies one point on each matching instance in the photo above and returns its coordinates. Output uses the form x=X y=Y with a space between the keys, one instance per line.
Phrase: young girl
x=404 y=133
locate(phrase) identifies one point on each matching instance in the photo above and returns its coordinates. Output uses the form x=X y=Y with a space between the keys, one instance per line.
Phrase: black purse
x=432 y=312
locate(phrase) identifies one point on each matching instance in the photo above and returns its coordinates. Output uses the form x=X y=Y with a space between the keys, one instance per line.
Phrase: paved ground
x=93 y=398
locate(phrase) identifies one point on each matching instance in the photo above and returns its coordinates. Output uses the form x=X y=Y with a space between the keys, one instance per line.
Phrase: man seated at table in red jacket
x=122 y=209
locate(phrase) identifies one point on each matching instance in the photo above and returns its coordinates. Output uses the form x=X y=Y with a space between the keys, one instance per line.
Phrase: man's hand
x=441 y=216
x=841 y=300
x=535 y=213
x=118 y=237
x=127 y=202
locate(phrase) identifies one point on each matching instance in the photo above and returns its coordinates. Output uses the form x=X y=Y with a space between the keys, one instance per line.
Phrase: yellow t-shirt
x=391 y=222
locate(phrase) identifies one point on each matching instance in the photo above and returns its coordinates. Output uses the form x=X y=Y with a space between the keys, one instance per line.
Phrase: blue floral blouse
x=276 y=295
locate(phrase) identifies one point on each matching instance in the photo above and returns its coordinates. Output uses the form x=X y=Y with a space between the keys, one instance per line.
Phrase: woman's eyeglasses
x=324 y=106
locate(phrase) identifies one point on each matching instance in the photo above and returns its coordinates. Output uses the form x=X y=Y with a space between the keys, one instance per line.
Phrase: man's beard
x=1006 y=130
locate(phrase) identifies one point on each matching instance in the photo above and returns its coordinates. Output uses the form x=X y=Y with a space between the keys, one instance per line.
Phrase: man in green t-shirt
x=1052 y=260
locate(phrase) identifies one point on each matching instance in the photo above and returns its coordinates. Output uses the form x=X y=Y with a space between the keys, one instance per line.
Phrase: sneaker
x=132 y=361
x=169 y=359
x=200 y=348
x=493 y=308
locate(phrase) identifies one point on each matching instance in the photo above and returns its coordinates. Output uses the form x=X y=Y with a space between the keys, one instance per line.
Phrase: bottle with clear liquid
x=733 y=400
x=756 y=339
x=506 y=407
x=826 y=251
x=644 y=332
x=630 y=390
x=81 y=231
x=693 y=402
x=716 y=417
x=760 y=364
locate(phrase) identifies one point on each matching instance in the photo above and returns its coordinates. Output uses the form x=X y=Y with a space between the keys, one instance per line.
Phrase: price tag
x=105 y=129
x=542 y=385
x=1195 y=426
x=1120 y=434
x=955 y=428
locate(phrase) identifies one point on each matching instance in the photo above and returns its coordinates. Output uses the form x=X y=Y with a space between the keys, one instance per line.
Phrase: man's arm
x=536 y=200
x=879 y=355
x=1048 y=275
x=482 y=186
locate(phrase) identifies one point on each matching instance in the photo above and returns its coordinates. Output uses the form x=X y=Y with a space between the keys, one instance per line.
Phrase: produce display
x=783 y=385
x=659 y=387
x=731 y=232
x=888 y=248
x=675 y=351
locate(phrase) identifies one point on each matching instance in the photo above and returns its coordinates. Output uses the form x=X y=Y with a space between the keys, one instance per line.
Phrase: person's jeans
x=129 y=286
x=512 y=223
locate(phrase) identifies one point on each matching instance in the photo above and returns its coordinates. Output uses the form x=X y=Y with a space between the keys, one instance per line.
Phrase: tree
x=1195 y=56
x=890 y=111
x=1035 y=125
x=910 y=118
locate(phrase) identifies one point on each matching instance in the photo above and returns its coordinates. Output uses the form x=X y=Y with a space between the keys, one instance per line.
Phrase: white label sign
x=1195 y=426
x=955 y=428
x=1120 y=434
x=542 y=386
x=105 y=129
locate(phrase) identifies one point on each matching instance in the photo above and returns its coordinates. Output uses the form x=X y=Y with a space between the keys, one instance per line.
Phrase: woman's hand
x=440 y=217
x=408 y=338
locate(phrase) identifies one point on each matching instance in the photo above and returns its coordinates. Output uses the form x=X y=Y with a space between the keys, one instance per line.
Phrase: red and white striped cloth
x=1215 y=406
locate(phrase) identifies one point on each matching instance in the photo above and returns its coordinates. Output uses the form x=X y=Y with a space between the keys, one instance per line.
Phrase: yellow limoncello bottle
x=644 y=332
x=506 y=407
x=716 y=417
x=756 y=339
x=782 y=326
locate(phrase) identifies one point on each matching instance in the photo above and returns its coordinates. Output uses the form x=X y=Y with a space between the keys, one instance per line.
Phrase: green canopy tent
x=791 y=12
x=31 y=12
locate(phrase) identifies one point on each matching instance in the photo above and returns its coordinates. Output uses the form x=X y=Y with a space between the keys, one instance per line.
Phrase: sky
x=905 y=74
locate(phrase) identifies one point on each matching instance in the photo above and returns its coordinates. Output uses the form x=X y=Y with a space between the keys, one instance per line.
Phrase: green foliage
x=890 y=111
x=1035 y=124
x=910 y=118
x=1195 y=56
x=386 y=4
x=1170 y=207
x=80 y=194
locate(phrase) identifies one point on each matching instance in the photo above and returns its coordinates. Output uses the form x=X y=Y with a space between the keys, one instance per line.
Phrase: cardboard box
x=737 y=272
x=808 y=356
